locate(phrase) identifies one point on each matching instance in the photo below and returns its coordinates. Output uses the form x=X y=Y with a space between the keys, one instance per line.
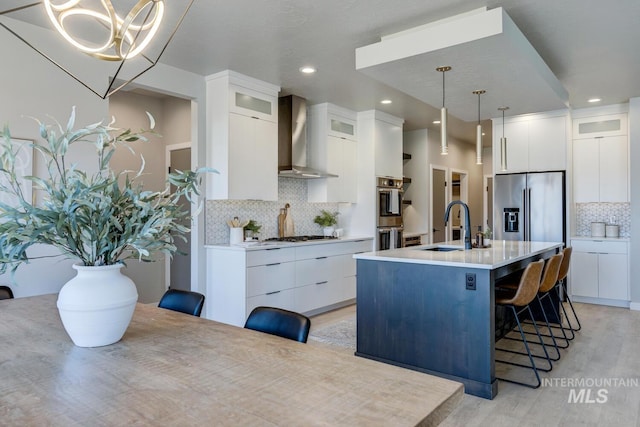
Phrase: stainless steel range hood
x=292 y=140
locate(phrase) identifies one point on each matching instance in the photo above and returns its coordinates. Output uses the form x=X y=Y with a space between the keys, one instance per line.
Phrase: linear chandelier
x=102 y=44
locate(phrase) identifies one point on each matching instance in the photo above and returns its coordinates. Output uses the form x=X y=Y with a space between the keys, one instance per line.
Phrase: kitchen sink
x=442 y=249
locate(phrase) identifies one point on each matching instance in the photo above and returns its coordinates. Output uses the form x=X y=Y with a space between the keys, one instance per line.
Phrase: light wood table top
x=173 y=369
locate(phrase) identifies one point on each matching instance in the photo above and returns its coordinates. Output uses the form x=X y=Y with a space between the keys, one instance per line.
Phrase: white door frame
x=485 y=200
x=167 y=161
x=447 y=196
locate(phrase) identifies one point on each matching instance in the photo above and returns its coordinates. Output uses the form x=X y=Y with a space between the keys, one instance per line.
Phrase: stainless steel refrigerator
x=530 y=206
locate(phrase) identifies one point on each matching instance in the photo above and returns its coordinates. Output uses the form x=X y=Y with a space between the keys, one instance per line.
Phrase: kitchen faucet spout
x=467 y=221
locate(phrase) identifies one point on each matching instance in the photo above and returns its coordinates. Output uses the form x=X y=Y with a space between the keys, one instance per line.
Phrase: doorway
x=439 y=200
x=178 y=275
x=459 y=192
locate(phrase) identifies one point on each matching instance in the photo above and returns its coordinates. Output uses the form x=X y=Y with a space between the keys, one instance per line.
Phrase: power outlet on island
x=471 y=281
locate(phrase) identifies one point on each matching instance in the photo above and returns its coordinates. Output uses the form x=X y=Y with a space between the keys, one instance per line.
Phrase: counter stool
x=519 y=303
x=547 y=284
x=561 y=288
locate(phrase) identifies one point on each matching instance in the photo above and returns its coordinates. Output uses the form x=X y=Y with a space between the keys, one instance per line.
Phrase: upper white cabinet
x=380 y=145
x=333 y=148
x=534 y=143
x=600 y=159
x=243 y=137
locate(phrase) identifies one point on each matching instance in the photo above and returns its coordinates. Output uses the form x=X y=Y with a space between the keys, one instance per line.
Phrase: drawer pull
x=321 y=257
x=272 y=264
x=322 y=283
x=273 y=249
x=271 y=293
x=360 y=252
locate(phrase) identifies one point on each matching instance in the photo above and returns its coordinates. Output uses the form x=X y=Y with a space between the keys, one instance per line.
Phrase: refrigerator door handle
x=529 y=214
x=525 y=217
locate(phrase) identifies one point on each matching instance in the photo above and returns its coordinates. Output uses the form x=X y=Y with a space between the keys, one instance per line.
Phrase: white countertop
x=601 y=239
x=500 y=253
x=254 y=246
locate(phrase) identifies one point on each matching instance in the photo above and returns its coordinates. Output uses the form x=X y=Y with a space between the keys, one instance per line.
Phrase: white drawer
x=263 y=279
x=321 y=269
x=314 y=296
x=281 y=299
x=349 y=288
x=270 y=256
x=599 y=246
x=358 y=246
x=319 y=250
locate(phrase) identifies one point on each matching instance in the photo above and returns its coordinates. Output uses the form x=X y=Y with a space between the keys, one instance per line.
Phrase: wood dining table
x=174 y=369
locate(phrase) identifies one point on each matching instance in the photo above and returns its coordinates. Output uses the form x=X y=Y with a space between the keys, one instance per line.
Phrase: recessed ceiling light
x=592 y=100
x=307 y=69
x=385 y=101
x=436 y=122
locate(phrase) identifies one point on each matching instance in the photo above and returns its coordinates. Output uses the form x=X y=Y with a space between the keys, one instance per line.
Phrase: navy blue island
x=432 y=308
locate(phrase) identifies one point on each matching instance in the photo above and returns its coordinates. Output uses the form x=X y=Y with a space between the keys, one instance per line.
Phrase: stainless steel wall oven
x=389 y=213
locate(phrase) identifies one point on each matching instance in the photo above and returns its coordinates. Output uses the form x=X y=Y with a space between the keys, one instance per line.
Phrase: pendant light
x=444 y=145
x=503 y=144
x=479 y=130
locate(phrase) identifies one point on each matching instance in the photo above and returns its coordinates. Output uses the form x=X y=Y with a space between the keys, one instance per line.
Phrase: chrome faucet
x=467 y=221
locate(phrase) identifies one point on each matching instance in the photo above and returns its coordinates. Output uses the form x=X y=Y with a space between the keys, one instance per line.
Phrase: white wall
x=32 y=86
x=424 y=146
x=634 y=179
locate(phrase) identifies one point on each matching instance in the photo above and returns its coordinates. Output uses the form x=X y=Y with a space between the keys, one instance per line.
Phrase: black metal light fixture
x=479 y=130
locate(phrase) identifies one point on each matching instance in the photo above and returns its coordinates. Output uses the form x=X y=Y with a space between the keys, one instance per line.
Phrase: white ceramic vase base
x=328 y=231
x=97 y=305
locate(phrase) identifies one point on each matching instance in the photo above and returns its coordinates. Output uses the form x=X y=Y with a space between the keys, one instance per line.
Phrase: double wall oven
x=389 y=213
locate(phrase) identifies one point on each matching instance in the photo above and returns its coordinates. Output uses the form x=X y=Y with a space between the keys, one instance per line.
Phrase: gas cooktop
x=299 y=238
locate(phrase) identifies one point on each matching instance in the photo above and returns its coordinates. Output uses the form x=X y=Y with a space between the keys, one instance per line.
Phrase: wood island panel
x=175 y=369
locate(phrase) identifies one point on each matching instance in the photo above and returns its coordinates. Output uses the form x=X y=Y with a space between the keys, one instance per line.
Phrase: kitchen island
x=432 y=308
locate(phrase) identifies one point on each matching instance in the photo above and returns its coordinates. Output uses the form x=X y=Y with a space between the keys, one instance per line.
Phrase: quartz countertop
x=603 y=239
x=253 y=246
x=500 y=253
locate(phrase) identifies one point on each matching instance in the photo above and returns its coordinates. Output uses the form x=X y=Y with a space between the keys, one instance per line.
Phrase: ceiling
x=589 y=46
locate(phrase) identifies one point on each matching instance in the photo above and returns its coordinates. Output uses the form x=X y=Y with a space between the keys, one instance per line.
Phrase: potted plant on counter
x=252 y=230
x=327 y=220
x=99 y=218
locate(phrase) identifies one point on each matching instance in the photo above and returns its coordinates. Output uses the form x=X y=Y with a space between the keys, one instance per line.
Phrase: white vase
x=97 y=305
x=328 y=231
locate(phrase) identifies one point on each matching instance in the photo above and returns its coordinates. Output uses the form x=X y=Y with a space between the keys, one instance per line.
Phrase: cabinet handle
x=254 y=117
x=272 y=264
x=359 y=252
x=359 y=241
x=273 y=249
x=321 y=257
x=322 y=283
x=271 y=293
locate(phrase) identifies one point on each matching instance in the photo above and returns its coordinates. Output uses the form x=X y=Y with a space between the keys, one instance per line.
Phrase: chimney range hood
x=292 y=140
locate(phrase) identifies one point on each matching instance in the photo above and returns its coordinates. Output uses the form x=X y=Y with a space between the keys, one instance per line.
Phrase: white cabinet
x=534 y=143
x=333 y=148
x=600 y=270
x=388 y=149
x=304 y=278
x=600 y=172
x=243 y=137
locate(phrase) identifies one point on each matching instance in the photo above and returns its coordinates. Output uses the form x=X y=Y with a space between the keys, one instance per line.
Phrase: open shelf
x=406 y=156
x=406 y=180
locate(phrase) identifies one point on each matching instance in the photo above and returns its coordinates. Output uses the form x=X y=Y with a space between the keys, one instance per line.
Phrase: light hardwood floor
x=607 y=348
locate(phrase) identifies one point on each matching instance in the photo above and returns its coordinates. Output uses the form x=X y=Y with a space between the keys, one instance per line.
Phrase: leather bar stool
x=519 y=302
x=561 y=288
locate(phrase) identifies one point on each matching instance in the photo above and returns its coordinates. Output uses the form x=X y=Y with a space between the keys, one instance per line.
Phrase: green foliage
x=101 y=218
x=326 y=218
x=253 y=226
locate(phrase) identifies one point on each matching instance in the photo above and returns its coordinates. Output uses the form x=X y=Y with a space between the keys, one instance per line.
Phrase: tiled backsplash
x=290 y=190
x=610 y=213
